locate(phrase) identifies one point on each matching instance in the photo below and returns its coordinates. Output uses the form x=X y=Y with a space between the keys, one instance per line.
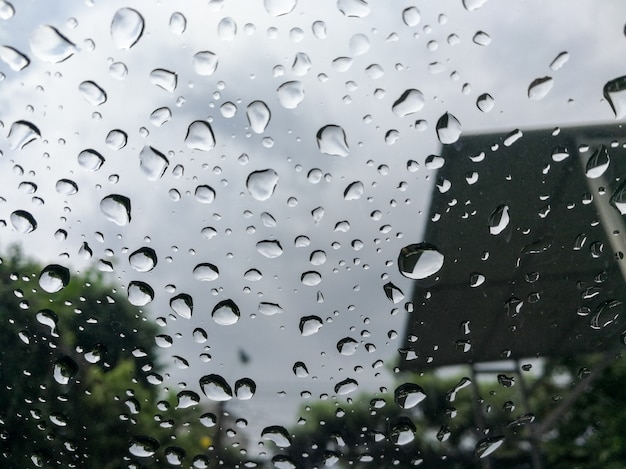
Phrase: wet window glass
x=289 y=234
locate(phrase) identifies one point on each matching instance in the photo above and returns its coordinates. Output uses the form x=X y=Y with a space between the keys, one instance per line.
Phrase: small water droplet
x=253 y=275
x=216 y=388
x=164 y=79
x=49 y=45
x=481 y=38
x=290 y=94
x=359 y=44
x=618 y=199
x=226 y=313
x=182 y=305
x=49 y=318
x=410 y=102
x=471 y=5
x=615 y=94
x=23 y=221
x=22 y=133
x=178 y=23
x=14 y=58
x=598 y=163
x=540 y=87
x=258 y=116
x=331 y=140
x=300 y=370
x=279 y=7
x=64 y=370
x=116 y=139
x=126 y=28
x=143 y=446
x=54 y=278
x=118 y=70
x=281 y=461
x=269 y=248
x=227 y=29
x=347 y=346
x=204 y=194
x=206 y=272
x=499 y=220
x=393 y=293
x=66 y=187
x=411 y=16
x=354 y=191
x=310 y=325
x=485 y=102
x=92 y=93
x=245 y=389
x=140 y=293
x=311 y=279
x=353 y=8
x=187 y=399
x=200 y=136
x=163 y=341
x=278 y=435
x=346 y=386
x=559 y=61
x=448 y=129
x=488 y=445
x=152 y=163
x=261 y=184
x=174 y=455
x=408 y=395
x=269 y=309
x=208 y=420
x=143 y=259
x=205 y=63
x=419 y=261
x=90 y=160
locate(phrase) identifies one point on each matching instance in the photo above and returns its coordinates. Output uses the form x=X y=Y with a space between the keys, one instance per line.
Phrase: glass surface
x=291 y=234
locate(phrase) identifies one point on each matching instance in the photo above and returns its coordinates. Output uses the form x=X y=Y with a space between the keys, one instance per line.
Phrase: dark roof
x=554 y=277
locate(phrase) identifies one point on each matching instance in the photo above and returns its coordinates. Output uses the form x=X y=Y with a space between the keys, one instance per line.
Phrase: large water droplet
x=126 y=28
x=485 y=102
x=481 y=38
x=403 y=431
x=22 y=133
x=279 y=7
x=258 y=116
x=160 y=116
x=606 y=313
x=164 y=79
x=359 y=44
x=64 y=369
x=227 y=29
x=216 y=388
x=13 y=58
x=393 y=293
x=448 y=129
x=615 y=94
x=353 y=8
x=118 y=70
x=245 y=389
x=300 y=370
x=411 y=16
x=347 y=346
x=354 y=191
x=206 y=272
x=66 y=187
x=205 y=63
x=226 y=313
x=143 y=446
x=419 y=261
x=178 y=23
x=540 y=87
x=331 y=140
x=301 y=64
x=559 y=61
x=143 y=259
x=280 y=461
x=204 y=194
x=90 y=160
x=92 y=93
x=140 y=293
x=152 y=163
x=346 y=386
x=411 y=101
x=23 y=221
x=278 y=435
x=186 y=399
x=6 y=10
x=116 y=139
x=408 y=395
x=488 y=445
x=269 y=248
x=290 y=94
x=174 y=455
x=200 y=136
x=311 y=279
x=598 y=163
x=499 y=220
x=182 y=305
x=310 y=325
x=54 y=278
x=261 y=184
x=49 y=45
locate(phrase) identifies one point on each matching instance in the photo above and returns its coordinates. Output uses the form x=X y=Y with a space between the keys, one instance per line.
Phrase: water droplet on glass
x=280 y=461
x=140 y=293
x=310 y=325
x=261 y=184
x=116 y=139
x=615 y=94
x=54 y=278
x=463 y=383
x=216 y=388
x=290 y=94
x=206 y=272
x=143 y=259
x=485 y=102
x=152 y=163
x=49 y=45
x=178 y=23
x=481 y=38
x=559 y=61
x=411 y=16
x=269 y=248
x=143 y=446
x=64 y=370
x=598 y=163
x=90 y=160
x=540 y=87
x=419 y=261
x=269 y=309
x=258 y=116
x=187 y=399
x=118 y=70
x=13 y=58
x=204 y=194
x=411 y=101
x=471 y=5
x=245 y=389
x=618 y=199
x=311 y=278
x=353 y=8
x=448 y=129
x=200 y=136
x=227 y=29
x=253 y=275
x=499 y=220
x=331 y=140
x=393 y=293
x=278 y=435
x=279 y=7
x=408 y=395
x=6 y=10
x=346 y=386
x=182 y=305
x=300 y=370
x=23 y=221
x=126 y=28
x=301 y=64
x=66 y=187
x=164 y=79
x=347 y=346
x=163 y=341
x=354 y=191
x=174 y=455
x=359 y=44
x=205 y=63
x=226 y=313
x=488 y=445
x=22 y=133
x=606 y=313
x=92 y=93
